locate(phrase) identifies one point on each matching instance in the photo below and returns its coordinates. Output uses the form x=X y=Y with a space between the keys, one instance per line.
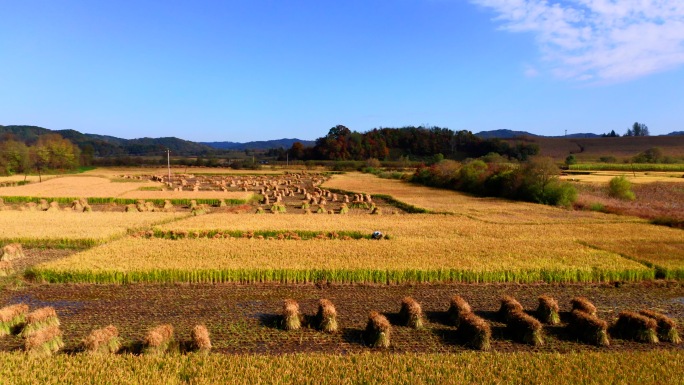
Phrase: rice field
x=446 y=201
x=515 y=368
x=460 y=241
x=71 y=229
x=359 y=261
x=73 y=187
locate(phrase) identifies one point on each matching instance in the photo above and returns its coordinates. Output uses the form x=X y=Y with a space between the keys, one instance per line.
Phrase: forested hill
x=102 y=145
x=259 y=145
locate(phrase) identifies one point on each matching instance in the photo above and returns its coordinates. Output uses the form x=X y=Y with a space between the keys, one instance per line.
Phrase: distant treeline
x=394 y=143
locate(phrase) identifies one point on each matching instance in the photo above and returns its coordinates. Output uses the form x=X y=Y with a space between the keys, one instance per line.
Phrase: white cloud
x=599 y=40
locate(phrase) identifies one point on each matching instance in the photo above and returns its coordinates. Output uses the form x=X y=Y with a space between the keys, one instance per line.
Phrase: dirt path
x=244 y=318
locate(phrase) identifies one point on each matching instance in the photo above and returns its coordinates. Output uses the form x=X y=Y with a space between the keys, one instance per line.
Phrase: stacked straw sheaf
x=41 y=332
x=634 y=326
x=548 y=310
x=667 y=327
x=199 y=339
x=291 y=320
x=102 y=341
x=472 y=330
x=158 y=340
x=326 y=317
x=584 y=305
x=378 y=331
x=411 y=314
x=458 y=307
x=521 y=326
x=12 y=317
x=584 y=324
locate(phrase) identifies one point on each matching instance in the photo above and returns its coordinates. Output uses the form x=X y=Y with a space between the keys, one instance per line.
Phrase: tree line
x=49 y=152
x=394 y=143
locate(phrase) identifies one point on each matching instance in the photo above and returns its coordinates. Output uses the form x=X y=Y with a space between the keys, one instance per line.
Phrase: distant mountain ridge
x=259 y=145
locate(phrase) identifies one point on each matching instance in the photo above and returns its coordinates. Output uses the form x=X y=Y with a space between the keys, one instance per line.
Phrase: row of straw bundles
x=41 y=332
x=157 y=341
x=325 y=319
x=12 y=318
x=472 y=330
x=521 y=326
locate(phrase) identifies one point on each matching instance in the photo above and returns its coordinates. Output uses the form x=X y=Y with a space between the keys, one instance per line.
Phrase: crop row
x=121 y=201
x=259 y=234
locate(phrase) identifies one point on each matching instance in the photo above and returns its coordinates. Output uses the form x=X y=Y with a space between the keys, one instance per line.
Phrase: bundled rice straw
x=378 y=330
x=509 y=305
x=411 y=313
x=588 y=328
x=291 y=319
x=458 y=307
x=200 y=338
x=634 y=326
x=157 y=340
x=583 y=304
x=525 y=328
x=102 y=341
x=12 y=317
x=667 y=327
x=474 y=331
x=326 y=318
x=45 y=341
x=547 y=311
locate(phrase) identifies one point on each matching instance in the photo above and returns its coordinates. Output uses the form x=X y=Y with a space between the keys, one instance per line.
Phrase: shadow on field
x=438 y=317
x=353 y=336
x=273 y=321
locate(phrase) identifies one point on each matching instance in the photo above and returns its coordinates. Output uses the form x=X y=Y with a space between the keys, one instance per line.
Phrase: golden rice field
x=74 y=186
x=493 y=210
x=64 y=229
x=100 y=187
x=652 y=367
x=425 y=247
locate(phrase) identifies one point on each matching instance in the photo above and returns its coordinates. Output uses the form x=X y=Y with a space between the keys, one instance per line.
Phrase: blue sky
x=258 y=70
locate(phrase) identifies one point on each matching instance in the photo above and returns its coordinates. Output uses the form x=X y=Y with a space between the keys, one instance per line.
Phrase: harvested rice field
x=251 y=241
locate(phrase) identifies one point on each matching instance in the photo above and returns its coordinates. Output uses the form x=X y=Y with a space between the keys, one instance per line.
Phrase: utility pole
x=168 y=162
x=287 y=159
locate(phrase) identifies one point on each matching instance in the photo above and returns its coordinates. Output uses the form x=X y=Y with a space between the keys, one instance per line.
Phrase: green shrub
x=621 y=188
